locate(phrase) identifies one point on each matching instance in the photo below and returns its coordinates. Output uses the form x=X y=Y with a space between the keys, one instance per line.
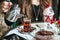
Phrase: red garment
x=47 y=5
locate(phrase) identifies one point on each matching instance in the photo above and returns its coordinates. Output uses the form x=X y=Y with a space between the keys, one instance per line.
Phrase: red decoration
x=47 y=5
x=47 y=19
x=53 y=20
x=58 y=22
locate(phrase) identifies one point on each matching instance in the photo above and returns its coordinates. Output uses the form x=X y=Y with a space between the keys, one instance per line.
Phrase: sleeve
x=48 y=10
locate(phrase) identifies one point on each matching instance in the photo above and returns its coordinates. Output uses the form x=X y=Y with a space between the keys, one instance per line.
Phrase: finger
x=5 y=9
x=9 y=4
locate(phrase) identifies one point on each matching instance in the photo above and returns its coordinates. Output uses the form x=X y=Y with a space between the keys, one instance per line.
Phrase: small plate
x=20 y=29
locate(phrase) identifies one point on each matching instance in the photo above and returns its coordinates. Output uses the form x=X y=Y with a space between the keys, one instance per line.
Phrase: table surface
x=31 y=35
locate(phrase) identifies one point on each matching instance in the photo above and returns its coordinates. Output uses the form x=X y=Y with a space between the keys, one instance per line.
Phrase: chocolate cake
x=45 y=33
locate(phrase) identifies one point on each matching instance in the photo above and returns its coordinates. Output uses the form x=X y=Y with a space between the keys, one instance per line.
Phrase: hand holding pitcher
x=6 y=6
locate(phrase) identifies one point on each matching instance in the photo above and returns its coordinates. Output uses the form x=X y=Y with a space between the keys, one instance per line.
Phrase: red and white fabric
x=48 y=13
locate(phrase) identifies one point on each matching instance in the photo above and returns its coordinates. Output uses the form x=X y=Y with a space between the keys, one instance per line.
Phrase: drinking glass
x=26 y=25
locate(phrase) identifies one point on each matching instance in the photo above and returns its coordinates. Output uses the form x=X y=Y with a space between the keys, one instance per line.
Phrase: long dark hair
x=26 y=6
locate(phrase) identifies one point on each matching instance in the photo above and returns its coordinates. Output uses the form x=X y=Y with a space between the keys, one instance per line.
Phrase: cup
x=26 y=25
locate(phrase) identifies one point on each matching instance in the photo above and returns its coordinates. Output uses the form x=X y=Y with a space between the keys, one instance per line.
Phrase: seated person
x=33 y=10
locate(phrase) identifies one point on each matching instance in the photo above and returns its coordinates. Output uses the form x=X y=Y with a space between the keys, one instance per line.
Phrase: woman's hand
x=6 y=6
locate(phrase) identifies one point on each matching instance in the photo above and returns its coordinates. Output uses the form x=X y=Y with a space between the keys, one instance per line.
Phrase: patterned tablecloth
x=31 y=35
